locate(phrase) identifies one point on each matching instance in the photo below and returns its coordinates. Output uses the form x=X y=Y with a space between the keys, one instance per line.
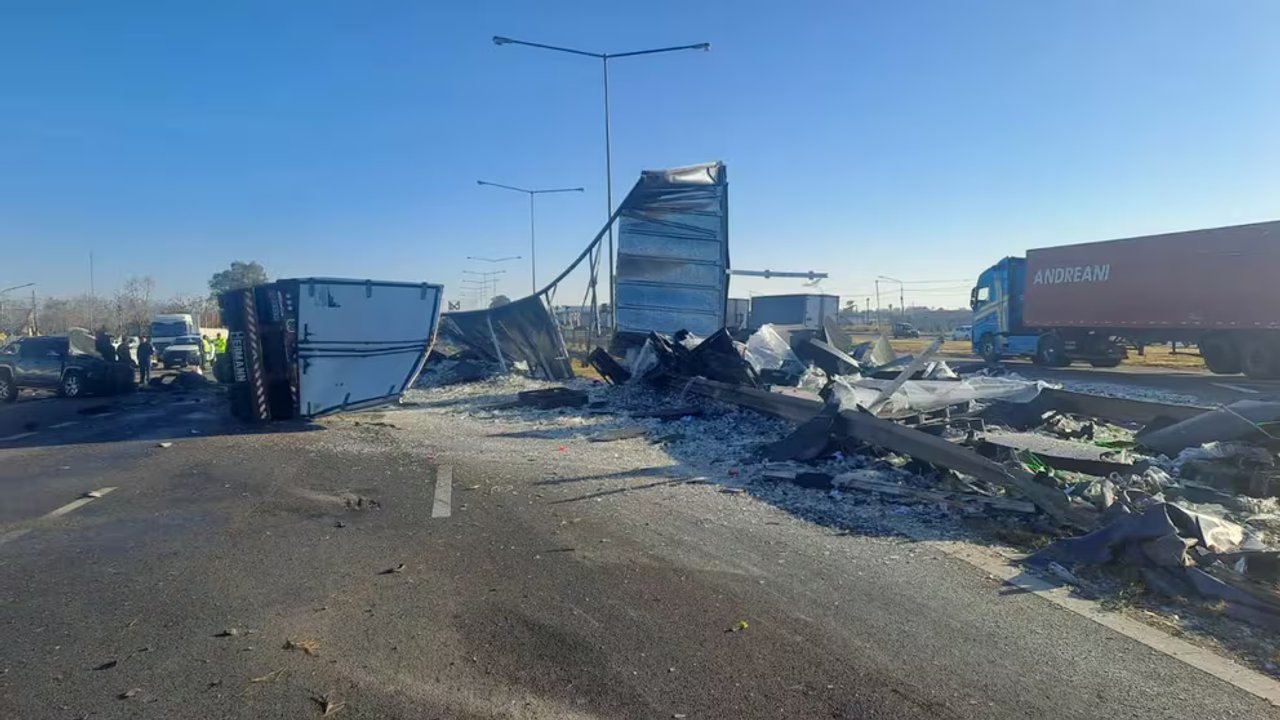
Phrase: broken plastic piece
x=767 y=350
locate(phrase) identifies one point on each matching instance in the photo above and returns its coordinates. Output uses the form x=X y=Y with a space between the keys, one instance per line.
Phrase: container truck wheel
x=1260 y=357
x=1220 y=355
x=1051 y=352
x=987 y=349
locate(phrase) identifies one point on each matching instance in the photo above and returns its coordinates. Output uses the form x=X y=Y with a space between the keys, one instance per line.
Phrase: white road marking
x=88 y=498
x=443 y=506
x=19 y=436
x=13 y=535
x=106 y=414
x=1207 y=661
x=68 y=423
x=1237 y=388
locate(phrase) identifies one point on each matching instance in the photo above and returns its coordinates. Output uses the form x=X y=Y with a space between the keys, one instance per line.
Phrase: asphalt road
x=442 y=566
x=1187 y=386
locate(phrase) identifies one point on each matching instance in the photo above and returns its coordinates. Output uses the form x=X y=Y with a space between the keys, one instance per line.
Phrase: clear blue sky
x=920 y=140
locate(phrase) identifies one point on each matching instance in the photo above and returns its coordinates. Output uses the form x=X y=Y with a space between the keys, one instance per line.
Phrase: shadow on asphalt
x=148 y=415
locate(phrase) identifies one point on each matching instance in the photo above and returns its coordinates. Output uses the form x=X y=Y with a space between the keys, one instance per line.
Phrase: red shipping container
x=1221 y=278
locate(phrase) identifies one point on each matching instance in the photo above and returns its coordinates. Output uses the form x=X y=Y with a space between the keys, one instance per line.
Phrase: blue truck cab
x=1000 y=331
x=996 y=302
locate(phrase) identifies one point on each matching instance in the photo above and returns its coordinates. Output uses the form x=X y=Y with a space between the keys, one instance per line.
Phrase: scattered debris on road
x=391 y=571
x=269 y=677
x=329 y=705
x=310 y=647
x=1186 y=494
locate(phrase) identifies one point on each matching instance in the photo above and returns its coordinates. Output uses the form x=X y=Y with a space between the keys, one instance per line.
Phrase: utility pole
x=93 y=297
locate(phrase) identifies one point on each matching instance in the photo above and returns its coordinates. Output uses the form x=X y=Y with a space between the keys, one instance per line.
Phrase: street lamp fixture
x=533 y=250
x=608 y=151
x=494 y=260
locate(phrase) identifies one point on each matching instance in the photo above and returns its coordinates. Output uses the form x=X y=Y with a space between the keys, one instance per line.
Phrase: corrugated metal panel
x=673 y=252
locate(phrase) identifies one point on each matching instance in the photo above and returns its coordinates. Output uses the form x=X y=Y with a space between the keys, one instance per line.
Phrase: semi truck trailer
x=1218 y=289
x=312 y=346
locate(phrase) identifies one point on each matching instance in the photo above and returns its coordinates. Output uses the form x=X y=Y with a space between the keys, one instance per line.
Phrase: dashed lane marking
x=443 y=506
x=19 y=436
x=66 y=424
x=88 y=498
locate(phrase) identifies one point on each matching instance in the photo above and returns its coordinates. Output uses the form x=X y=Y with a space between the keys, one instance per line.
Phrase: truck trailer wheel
x=1220 y=355
x=1260 y=358
x=1051 y=352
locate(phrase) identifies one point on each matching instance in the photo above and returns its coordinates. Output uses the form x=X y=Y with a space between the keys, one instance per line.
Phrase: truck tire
x=72 y=384
x=1220 y=354
x=1105 y=362
x=1259 y=357
x=1051 y=352
x=8 y=388
x=987 y=349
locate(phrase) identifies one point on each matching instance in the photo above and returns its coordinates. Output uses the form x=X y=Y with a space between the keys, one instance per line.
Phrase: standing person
x=145 y=351
x=102 y=343
x=206 y=349
x=219 y=345
x=123 y=355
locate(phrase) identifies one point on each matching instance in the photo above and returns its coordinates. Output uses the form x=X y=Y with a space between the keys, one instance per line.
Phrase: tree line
x=126 y=311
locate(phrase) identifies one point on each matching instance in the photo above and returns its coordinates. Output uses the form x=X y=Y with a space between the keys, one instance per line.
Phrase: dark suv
x=50 y=363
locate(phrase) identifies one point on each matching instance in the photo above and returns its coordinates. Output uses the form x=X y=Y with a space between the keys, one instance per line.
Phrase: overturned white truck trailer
x=311 y=346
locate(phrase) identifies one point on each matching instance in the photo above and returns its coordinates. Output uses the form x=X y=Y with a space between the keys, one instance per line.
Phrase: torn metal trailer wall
x=673 y=252
x=524 y=330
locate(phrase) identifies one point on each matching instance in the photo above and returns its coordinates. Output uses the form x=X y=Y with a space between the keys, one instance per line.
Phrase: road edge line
x=1206 y=661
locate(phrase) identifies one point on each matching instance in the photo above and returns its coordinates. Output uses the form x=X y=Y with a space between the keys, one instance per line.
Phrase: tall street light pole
x=608 y=150
x=533 y=252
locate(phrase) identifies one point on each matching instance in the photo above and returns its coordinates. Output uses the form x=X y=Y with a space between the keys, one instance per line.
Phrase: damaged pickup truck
x=307 y=347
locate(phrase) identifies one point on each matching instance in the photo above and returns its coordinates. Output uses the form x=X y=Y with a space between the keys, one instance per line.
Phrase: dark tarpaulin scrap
x=522 y=330
x=609 y=369
x=1181 y=554
x=829 y=358
x=719 y=358
x=809 y=440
